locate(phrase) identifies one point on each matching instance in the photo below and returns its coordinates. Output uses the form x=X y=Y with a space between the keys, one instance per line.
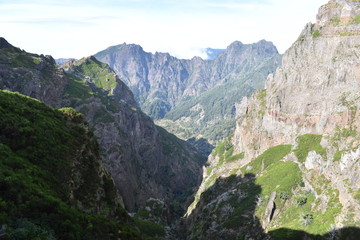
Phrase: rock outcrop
x=300 y=135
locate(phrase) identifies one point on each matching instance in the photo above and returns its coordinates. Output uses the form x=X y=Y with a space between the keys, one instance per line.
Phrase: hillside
x=193 y=98
x=291 y=169
x=52 y=184
x=144 y=160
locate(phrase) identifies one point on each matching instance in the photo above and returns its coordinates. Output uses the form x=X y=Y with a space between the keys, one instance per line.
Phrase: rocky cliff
x=195 y=96
x=299 y=138
x=144 y=160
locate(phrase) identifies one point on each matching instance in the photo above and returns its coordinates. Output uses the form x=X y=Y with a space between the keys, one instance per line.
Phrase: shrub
x=284 y=196
x=301 y=201
x=315 y=33
x=308 y=219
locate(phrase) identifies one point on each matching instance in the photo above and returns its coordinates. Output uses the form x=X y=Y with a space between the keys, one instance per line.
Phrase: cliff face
x=144 y=160
x=315 y=90
x=306 y=123
x=194 y=91
x=33 y=75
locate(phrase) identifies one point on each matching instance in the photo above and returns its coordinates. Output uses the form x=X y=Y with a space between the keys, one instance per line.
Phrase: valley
x=194 y=98
x=127 y=144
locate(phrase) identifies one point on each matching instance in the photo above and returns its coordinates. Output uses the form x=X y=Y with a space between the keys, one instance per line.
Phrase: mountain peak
x=338 y=12
x=262 y=47
x=4 y=43
x=235 y=44
x=130 y=47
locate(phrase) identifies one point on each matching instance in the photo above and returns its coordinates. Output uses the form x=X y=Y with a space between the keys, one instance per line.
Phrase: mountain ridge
x=163 y=84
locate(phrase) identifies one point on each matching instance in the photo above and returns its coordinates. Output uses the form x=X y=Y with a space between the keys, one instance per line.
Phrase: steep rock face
x=175 y=89
x=311 y=104
x=32 y=75
x=315 y=90
x=145 y=161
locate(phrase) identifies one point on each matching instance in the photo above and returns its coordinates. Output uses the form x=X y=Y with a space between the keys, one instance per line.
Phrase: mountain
x=291 y=169
x=52 y=184
x=61 y=61
x=193 y=97
x=212 y=53
x=144 y=160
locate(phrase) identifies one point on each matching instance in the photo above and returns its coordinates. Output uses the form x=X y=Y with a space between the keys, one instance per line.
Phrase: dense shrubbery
x=38 y=147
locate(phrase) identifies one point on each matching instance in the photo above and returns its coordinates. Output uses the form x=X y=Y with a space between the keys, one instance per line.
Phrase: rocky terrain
x=193 y=98
x=144 y=160
x=297 y=143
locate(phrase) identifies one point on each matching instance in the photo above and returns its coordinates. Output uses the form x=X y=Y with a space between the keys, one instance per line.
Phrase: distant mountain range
x=61 y=61
x=194 y=98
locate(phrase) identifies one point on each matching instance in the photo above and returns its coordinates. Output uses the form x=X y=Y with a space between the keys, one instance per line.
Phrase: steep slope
x=183 y=91
x=299 y=139
x=144 y=160
x=52 y=185
x=32 y=75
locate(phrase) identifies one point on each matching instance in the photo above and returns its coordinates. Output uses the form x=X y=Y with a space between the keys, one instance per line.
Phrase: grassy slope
x=97 y=72
x=294 y=202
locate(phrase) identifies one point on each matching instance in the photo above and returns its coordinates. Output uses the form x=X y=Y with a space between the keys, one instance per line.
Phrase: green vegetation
x=171 y=144
x=39 y=157
x=270 y=156
x=337 y=155
x=77 y=89
x=261 y=97
x=16 y=58
x=149 y=228
x=355 y=20
x=308 y=143
x=81 y=93
x=345 y=34
x=96 y=72
x=335 y=21
x=280 y=177
x=315 y=33
x=298 y=211
x=225 y=151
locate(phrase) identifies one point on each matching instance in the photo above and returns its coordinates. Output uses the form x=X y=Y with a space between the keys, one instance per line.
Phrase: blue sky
x=78 y=28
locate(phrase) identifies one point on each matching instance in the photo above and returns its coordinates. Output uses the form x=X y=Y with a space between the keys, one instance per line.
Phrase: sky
x=79 y=28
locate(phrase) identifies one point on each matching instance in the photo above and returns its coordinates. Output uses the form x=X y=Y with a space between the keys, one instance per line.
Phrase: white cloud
x=183 y=28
